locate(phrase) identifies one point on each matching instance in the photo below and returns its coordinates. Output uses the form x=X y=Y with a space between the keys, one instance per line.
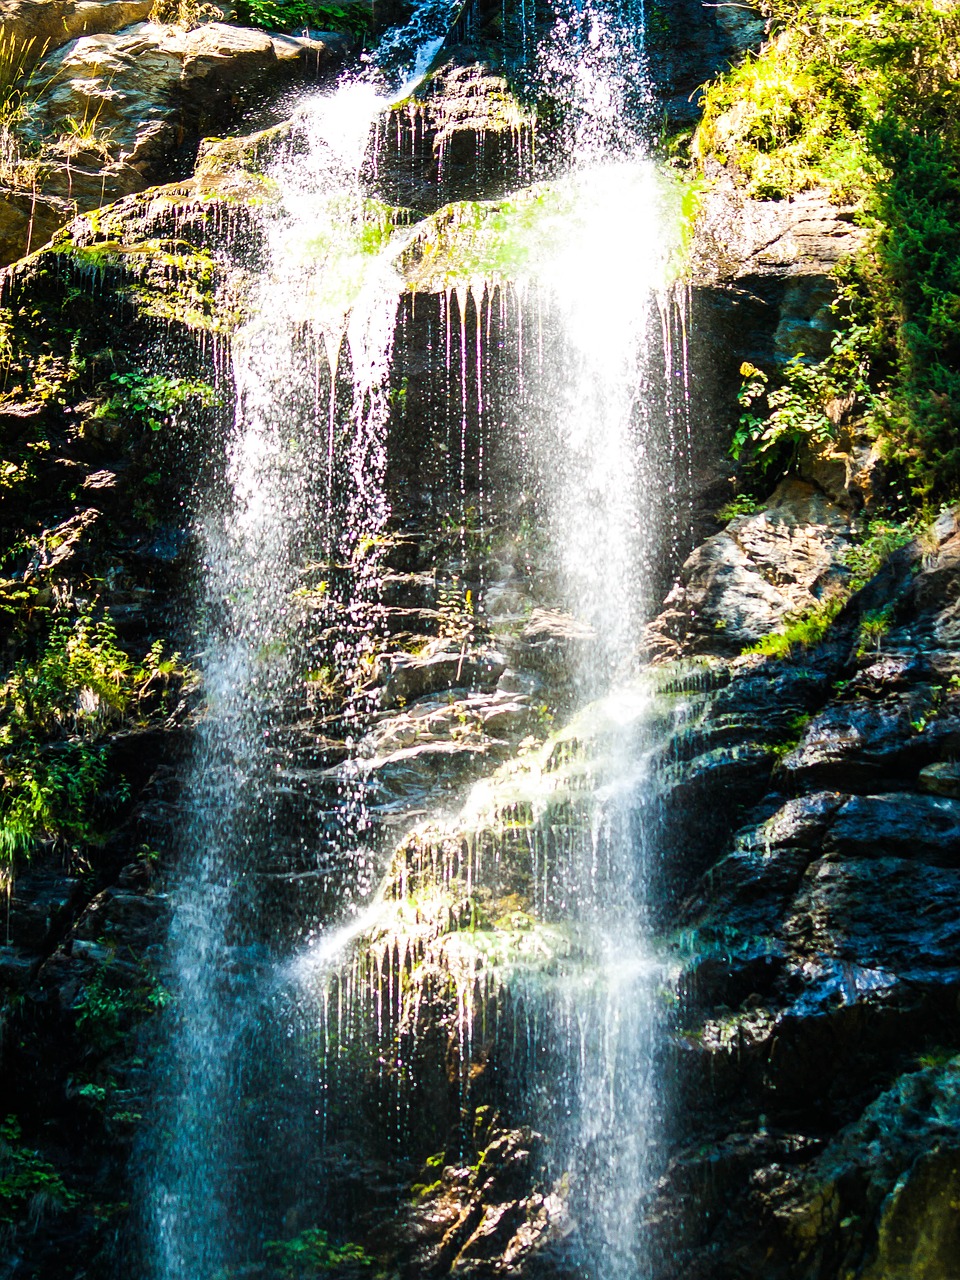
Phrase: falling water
x=583 y=386
x=302 y=489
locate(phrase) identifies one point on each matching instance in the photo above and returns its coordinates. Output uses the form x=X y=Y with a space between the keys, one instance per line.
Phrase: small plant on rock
x=184 y=13
x=30 y=1187
x=310 y=1254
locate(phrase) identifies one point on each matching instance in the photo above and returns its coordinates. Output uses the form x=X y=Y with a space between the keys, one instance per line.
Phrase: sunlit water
x=586 y=347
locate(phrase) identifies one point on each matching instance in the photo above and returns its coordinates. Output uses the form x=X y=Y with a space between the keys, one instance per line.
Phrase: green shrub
x=310 y=1254
x=863 y=99
x=104 y=1009
x=289 y=15
x=29 y=1185
x=155 y=398
x=57 y=710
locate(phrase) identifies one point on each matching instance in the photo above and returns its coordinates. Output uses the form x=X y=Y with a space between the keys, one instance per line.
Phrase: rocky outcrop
x=135 y=98
x=761 y=570
x=822 y=965
x=739 y=238
x=51 y=23
x=118 y=111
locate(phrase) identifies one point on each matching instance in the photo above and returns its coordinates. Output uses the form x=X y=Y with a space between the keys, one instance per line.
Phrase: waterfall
x=559 y=373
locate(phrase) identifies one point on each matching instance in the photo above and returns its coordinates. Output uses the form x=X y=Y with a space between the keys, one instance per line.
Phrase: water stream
x=557 y=361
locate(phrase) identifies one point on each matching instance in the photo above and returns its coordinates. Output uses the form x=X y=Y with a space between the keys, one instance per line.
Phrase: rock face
x=135 y=96
x=738 y=238
x=824 y=947
x=53 y=22
x=742 y=583
x=125 y=106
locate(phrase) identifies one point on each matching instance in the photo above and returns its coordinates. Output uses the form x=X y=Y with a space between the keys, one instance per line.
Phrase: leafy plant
x=874 y=625
x=57 y=708
x=29 y=1185
x=317 y=15
x=792 y=413
x=310 y=1254
x=155 y=398
x=104 y=1009
x=883 y=538
x=863 y=98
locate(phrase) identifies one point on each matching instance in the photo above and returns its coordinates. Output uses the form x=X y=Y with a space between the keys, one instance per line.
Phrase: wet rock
x=942 y=778
x=493 y=1219
x=137 y=91
x=118 y=110
x=28 y=220
x=688 y=44
x=551 y=642
x=411 y=677
x=925 y=828
x=464 y=133
x=738 y=905
x=861 y=745
x=897 y=916
x=893 y=1177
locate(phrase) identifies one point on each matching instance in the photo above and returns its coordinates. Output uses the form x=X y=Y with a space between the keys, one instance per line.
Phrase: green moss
x=347 y=245
x=472 y=242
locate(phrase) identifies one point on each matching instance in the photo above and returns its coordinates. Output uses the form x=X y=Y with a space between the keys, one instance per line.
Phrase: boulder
x=118 y=111
x=748 y=580
x=52 y=23
x=130 y=99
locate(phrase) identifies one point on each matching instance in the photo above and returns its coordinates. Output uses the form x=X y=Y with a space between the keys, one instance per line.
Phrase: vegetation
x=311 y=1254
x=184 y=13
x=58 y=707
x=29 y=1185
x=862 y=99
x=741 y=505
x=315 y=15
x=802 y=631
x=880 y=539
x=155 y=398
x=104 y=1009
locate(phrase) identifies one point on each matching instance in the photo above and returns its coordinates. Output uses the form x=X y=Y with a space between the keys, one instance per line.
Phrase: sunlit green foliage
x=863 y=99
x=155 y=398
x=56 y=711
x=803 y=631
x=315 y=15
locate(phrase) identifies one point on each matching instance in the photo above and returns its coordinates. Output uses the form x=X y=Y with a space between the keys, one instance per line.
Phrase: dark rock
x=863 y=745
x=921 y=827
x=411 y=678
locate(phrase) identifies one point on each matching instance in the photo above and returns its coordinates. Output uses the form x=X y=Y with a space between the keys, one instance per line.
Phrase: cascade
x=535 y=343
